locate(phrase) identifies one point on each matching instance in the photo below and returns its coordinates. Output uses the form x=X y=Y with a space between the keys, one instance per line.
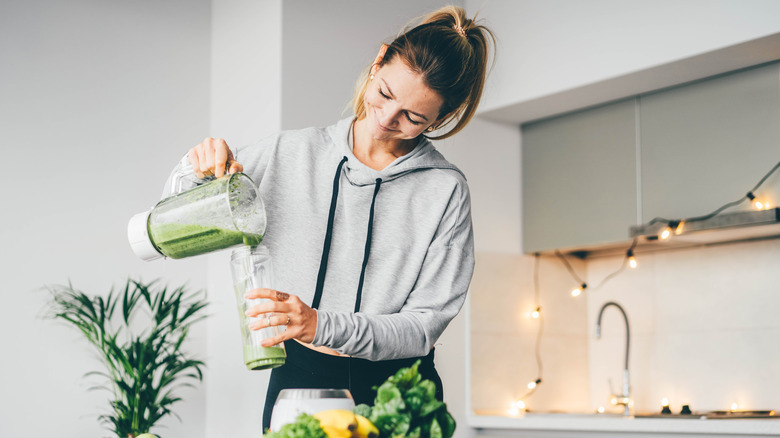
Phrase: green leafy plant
x=406 y=406
x=143 y=367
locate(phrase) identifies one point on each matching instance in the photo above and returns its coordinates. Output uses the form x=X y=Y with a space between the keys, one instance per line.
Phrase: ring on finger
x=288 y=320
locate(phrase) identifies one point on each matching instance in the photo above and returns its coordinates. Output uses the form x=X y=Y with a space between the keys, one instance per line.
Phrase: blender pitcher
x=251 y=269
x=219 y=214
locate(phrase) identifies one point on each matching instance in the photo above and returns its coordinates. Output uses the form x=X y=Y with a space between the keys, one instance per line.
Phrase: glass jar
x=252 y=269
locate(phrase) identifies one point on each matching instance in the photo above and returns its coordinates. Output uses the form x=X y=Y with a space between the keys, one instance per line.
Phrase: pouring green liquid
x=185 y=240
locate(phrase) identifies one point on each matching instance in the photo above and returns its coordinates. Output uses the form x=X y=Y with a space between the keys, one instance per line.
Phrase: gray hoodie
x=401 y=247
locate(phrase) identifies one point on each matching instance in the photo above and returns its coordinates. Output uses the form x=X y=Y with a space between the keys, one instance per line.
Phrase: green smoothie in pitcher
x=185 y=240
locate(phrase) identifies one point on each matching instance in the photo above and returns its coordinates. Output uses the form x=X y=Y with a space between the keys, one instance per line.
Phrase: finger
x=235 y=167
x=261 y=292
x=267 y=293
x=281 y=296
x=209 y=155
x=276 y=340
x=193 y=157
x=279 y=319
x=267 y=307
x=220 y=158
x=203 y=166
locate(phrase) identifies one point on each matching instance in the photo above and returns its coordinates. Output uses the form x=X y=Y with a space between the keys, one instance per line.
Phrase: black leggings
x=306 y=368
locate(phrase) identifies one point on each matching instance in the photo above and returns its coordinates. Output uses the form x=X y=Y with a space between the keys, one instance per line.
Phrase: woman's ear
x=379 y=57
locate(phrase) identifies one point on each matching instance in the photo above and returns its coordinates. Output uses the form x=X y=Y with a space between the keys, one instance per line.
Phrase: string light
x=757 y=203
x=630 y=260
x=680 y=228
x=676 y=226
x=632 y=263
x=519 y=405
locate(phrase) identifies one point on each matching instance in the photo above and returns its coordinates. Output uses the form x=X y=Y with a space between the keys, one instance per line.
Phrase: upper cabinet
x=579 y=178
x=680 y=152
x=708 y=143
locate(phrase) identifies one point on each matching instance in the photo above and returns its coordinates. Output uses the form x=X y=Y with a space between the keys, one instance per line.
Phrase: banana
x=340 y=422
x=365 y=429
x=334 y=432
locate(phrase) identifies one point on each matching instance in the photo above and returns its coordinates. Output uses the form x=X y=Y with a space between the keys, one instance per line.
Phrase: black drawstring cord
x=367 y=251
x=328 y=236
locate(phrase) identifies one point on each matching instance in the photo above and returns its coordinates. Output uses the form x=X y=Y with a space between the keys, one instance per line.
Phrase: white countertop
x=613 y=423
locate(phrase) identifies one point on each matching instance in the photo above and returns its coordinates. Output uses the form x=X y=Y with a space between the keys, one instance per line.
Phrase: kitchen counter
x=608 y=423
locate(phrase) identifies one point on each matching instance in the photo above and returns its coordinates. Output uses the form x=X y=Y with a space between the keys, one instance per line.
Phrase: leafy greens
x=406 y=406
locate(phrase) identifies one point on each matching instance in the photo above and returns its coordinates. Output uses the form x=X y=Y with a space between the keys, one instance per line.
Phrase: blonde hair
x=450 y=52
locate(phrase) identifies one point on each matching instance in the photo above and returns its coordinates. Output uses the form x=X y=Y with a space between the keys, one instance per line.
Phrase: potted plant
x=143 y=364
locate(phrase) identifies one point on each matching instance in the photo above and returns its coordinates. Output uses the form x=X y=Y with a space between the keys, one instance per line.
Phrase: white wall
x=326 y=45
x=488 y=153
x=245 y=106
x=97 y=102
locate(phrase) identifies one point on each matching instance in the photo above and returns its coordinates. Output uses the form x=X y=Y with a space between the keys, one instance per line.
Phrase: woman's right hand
x=211 y=157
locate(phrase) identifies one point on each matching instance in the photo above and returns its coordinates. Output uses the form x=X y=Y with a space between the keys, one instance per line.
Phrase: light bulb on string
x=679 y=228
x=670 y=228
x=758 y=204
x=532 y=385
x=632 y=263
x=576 y=292
x=535 y=313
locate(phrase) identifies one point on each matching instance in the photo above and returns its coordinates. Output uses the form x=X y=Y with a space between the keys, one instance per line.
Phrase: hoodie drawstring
x=367 y=251
x=329 y=235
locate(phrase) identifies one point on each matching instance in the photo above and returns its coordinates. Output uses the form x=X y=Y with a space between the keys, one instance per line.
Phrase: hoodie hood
x=423 y=156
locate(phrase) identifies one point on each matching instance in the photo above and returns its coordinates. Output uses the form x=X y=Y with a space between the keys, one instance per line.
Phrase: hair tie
x=460 y=30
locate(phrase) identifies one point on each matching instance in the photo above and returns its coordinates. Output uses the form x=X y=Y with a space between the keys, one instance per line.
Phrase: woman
x=368 y=225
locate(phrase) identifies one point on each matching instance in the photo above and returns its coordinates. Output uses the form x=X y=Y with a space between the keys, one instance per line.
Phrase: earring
x=371 y=77
x=430 y=129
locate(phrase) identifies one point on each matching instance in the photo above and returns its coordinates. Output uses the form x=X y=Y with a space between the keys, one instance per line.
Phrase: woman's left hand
x=288 y=310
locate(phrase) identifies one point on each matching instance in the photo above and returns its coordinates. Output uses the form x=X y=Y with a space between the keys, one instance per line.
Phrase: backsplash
x=503 y=336
x=704 y=329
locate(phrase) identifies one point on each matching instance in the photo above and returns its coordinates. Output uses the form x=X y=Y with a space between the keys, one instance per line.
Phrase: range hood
x=723 y=228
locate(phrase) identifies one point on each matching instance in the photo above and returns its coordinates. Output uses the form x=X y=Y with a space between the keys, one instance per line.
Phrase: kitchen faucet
x=623 y=399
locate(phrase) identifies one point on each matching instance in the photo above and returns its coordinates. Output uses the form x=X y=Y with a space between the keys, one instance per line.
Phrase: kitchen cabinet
x=708 y=143
x=679 y=152
x=579 y=178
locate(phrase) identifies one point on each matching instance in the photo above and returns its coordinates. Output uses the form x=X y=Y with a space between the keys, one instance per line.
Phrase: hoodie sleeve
x=436 y=299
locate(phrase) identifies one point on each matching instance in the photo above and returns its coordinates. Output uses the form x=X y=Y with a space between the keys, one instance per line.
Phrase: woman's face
x=399 y=105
